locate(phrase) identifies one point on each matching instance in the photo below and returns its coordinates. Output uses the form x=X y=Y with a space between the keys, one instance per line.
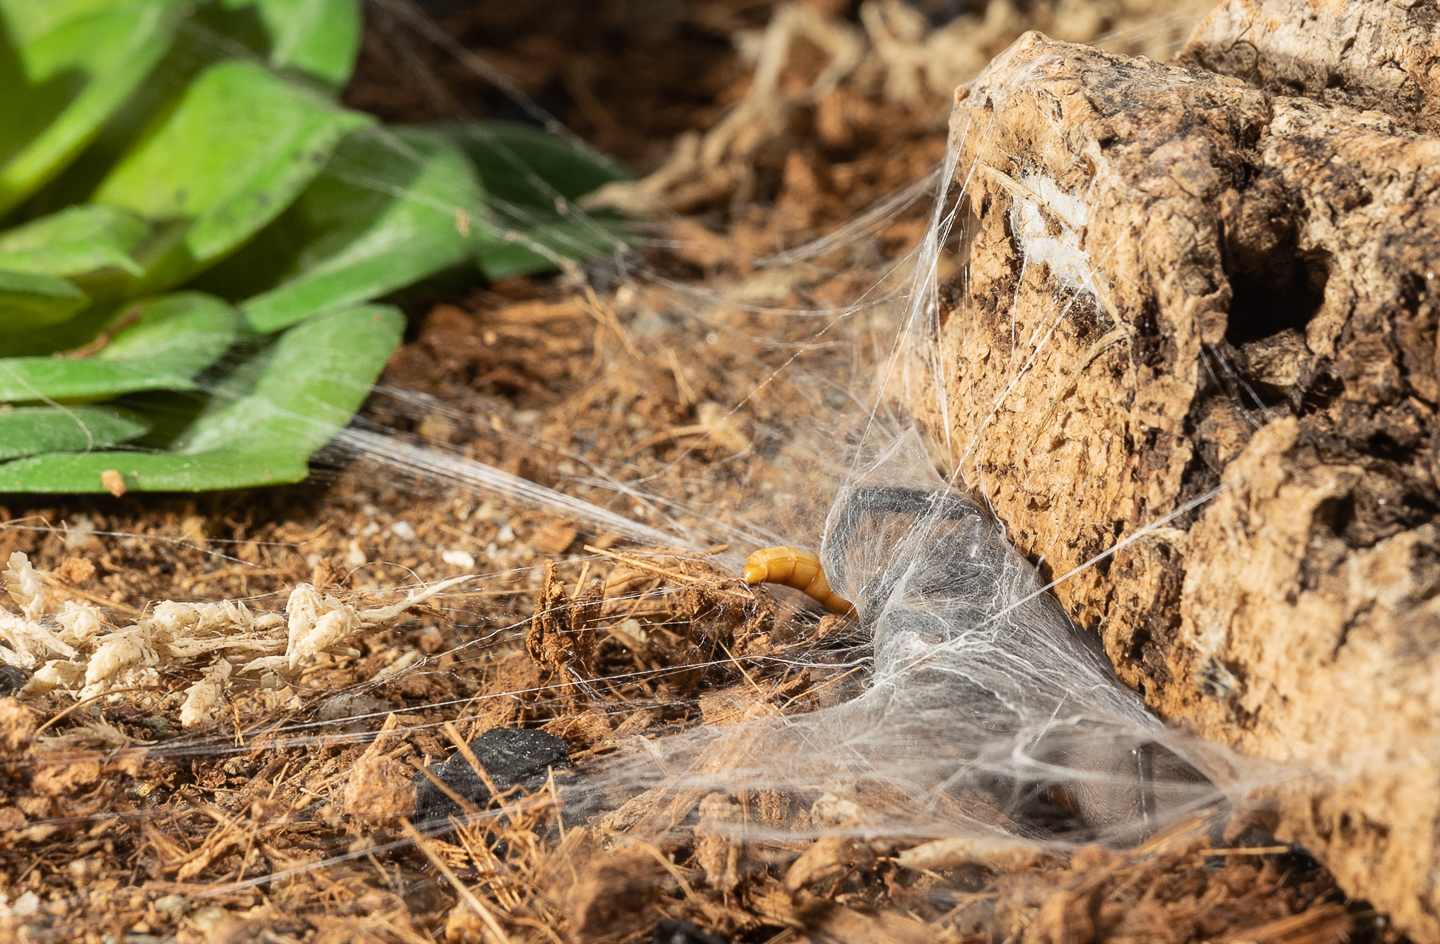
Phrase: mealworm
x=792 y=567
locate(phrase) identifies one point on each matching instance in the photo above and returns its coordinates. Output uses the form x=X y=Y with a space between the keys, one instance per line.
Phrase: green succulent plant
x=194 y=234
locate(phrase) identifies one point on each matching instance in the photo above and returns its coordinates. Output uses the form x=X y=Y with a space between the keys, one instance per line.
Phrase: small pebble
x=80 y=533
x=12 y=679
x=461 y=559
x=404 y=530
x=352 y=705
x=26 y=905
x=680 y=931
x=511 y=757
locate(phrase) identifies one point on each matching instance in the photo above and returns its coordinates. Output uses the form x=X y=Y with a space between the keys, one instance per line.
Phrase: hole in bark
x=1381 y=444
x=1321 y=393
x=1338 y=514
x=950 y=296
x=1136 y=650
x=1286 y=294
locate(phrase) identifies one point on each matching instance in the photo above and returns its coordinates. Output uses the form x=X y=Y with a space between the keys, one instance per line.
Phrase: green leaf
x=387 y=211
x=527 y=167
x=534 y=250
x=228 y=159
x=532 y=179
x=320 y=38
x=66 y=66
x=75 y=332
x=71 y=473
x=74 y=242
x=173 y=338
x=314 y=379
x=193 y=49
x=30 y=430
x=182 y=333
x=306 y=385
x=29 y=301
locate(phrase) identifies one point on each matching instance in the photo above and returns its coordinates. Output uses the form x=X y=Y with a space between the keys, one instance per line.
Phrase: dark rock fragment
x=512 y=757
x=679 y=931
x=12 y=679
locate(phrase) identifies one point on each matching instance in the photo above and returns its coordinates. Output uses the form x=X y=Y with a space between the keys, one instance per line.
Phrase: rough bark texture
x=1177 y=280
x=1366 y=54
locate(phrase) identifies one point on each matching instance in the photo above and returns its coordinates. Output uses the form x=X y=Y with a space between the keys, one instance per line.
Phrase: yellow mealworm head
x=770 y=565
x=756 y=569
x=795 y=568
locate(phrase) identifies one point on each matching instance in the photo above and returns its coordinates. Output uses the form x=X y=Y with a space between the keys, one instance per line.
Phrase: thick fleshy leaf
x=173 y=338
x=317 y=37
x=538 y=249
x=389 y=209
x=75 y=332
x=314 y=378
x=532 y=180
x=74 y=242
x=183 y=333
x=72 y=473
x=193 y=49
x=31 y=430
x=66 y=67
x=306 y=385
x=528 y=167
x=235 y=151
x=29 y=301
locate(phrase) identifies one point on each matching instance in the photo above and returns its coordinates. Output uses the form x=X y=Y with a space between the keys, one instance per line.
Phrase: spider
x=930 y=565
x=801 y=570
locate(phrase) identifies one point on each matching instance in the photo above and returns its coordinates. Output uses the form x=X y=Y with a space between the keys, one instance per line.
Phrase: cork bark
x=1380 y=55
x=1203 y=312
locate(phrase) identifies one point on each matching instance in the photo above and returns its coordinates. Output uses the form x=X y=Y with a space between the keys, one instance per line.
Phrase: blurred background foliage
x=194 y=233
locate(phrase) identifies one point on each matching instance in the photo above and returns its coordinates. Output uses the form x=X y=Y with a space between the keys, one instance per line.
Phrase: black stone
x=12 y=679
x=673 y=931
x=512 y=757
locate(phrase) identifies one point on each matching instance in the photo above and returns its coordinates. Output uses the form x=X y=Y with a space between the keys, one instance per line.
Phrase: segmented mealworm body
x=792 y=567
